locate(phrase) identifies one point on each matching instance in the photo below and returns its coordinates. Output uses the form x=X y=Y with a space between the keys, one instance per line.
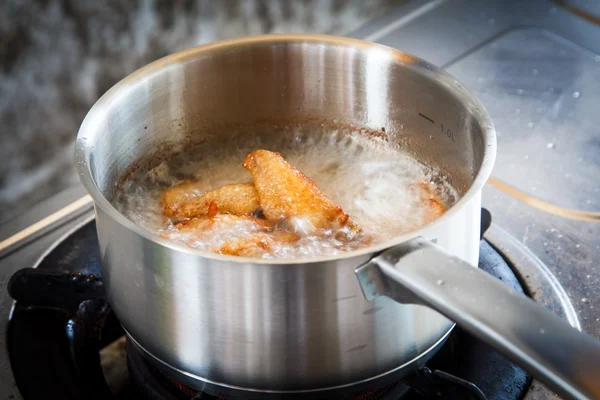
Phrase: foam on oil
x=372 y=182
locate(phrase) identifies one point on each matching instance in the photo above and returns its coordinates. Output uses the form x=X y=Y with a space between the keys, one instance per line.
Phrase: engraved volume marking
x=427 y=118
x=448 y=132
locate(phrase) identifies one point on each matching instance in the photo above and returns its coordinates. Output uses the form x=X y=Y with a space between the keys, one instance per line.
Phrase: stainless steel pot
x=238 y=324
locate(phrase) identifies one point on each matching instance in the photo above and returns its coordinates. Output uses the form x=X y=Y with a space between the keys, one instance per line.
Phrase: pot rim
x=88 y=135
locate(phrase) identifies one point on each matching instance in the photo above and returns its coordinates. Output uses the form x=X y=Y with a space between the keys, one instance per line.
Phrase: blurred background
x=57 y=57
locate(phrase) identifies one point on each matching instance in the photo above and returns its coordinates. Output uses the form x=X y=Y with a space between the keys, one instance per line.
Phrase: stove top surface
x=536 y=67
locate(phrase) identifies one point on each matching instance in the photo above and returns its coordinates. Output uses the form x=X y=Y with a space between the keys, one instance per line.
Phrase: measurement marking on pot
x=448 y=132
x=427 y=118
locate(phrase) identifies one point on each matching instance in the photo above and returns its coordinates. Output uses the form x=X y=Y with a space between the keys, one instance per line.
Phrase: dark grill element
x=432 y=384
x=187 y=391
x=61 y=320
x=382 y=393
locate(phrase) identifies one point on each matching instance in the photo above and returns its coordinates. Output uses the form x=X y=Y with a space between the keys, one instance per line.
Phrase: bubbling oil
x=371 y=180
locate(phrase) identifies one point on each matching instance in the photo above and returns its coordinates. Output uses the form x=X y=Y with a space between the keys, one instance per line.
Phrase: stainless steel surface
x=52 y=205
x=420 y=272
x=446 y=34
x=79 y=206
x=545 y=100
x=284 y=325
x=539 y=282
x=26 y=257
x=590 y=6
x=549 y=150
x=349 y=390
x=460 y=35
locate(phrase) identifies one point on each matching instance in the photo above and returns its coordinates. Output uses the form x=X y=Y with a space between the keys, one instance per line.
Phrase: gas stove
x=535 y=66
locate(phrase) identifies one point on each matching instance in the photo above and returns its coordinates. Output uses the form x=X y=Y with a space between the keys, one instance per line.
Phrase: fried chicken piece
x=432 y=206
x=175 y=196
x=212 y=209
x=241 y=199
x=433 y=209
x=258 y=243
x=286 y=194
x=237 y=235
x=211 y=233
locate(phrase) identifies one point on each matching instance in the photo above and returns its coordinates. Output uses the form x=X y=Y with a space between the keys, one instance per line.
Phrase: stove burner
x=158 y=386
x=54 y=340
x=154 y=385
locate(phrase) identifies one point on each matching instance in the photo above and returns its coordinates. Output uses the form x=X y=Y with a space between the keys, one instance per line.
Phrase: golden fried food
x=211 y=233
x=240 y=199
x=257 y=243
x=433 y=208
x=219 y=220
x=212 y=209
x=286 y=194
x=175 y=196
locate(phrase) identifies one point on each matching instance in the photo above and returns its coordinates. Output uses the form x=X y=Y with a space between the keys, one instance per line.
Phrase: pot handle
x=420 y=272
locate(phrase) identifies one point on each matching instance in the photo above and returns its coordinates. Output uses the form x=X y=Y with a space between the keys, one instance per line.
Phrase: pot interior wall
x=215 y=94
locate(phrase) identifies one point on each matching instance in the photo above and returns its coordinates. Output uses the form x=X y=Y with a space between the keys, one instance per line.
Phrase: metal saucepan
x=240 y=325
